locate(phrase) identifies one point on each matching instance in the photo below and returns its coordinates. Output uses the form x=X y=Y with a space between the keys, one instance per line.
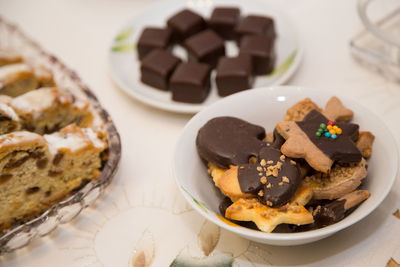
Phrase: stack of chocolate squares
x=204 y=42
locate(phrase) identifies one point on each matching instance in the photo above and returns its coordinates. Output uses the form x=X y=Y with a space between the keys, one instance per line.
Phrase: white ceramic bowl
x=266 y=107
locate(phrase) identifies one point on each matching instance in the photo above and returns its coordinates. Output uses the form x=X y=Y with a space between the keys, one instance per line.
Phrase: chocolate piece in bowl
x=152 y=38
x=226 y=141
x=185 y=24
x=234 y=74
x=190 y=82
x=256 y=25
x=223 y=21
x=157 y=67
x=261 y=49
x=206 y=47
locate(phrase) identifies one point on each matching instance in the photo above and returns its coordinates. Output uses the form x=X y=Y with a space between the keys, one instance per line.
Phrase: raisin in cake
x=36 y=171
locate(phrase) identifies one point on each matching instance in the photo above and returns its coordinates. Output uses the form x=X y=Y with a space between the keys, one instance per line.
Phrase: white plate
x=124 y=65
x=266 y=107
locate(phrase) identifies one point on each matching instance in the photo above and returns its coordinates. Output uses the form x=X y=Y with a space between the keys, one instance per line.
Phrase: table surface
x=143 y=216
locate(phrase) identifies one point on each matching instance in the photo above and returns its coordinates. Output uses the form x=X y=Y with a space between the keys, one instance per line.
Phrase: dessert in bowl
x=265 y=108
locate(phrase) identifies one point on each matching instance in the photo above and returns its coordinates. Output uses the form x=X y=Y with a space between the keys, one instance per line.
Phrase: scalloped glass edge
x=70 y=207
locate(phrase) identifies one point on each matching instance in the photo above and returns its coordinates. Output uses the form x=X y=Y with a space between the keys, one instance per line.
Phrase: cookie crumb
x=282 y=158
x=263 y=180
x=392 y=263
x=295 y=209
x=292 y=162
x=260 y=193
x=397 y=213
x=263 y=163
x=269 y=185
x=285 y=179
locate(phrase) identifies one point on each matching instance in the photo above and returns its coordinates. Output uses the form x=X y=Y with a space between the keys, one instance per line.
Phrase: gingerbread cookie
x=334 y=211
x=335 y=111
x=342 y=179
x=267 y=218
x=226 y=141
x=319 y=141
x=364 y=143
x=300 y=110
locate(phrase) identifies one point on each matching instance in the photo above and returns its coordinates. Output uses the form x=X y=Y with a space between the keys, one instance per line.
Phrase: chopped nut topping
x=282 y=158
x=280 y=183
x=262 y=162
x=270 y=162
x=260 y=173
x=269 y=203
x=269 y=185
x=260 y=169
x=242 y=167
x=263 y=180
x=275 y=172
x=292 y=162
x=285 y=179
x=279 y=165
x=260 y=193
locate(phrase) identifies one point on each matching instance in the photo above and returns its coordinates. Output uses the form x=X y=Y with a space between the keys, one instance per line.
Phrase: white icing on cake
x=11 y=72
x=9 y=112
x=73 y=139
x=18 y=139
x=35 y=102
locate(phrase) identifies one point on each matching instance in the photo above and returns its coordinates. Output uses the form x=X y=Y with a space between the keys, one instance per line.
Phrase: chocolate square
x=190 y=82
x=254 y=24
x=206 y=47
x=152 y=38
x=261 y=49
x=157 y=67
x=234 y=74
x=223 y=21
x=185 y=24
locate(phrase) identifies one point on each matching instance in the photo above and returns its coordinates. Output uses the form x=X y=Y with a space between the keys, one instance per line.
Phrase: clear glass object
x=378 y=45
x=70 y=207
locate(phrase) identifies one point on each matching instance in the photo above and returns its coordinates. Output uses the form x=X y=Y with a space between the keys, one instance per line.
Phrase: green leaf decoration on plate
x=198 y=203
x=285 y=65
x=184 y=259
x=124 y=48
x=124 y=35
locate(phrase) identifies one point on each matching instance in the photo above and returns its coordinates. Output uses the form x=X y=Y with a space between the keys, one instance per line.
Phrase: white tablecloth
x=143 y=210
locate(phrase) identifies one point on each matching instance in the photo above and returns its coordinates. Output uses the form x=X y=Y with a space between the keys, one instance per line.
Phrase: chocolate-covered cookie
x=226 y=141
x=274 y=179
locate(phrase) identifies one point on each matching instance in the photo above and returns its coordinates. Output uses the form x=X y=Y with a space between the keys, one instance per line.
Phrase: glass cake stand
x=67 y=209
x=378 y=45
